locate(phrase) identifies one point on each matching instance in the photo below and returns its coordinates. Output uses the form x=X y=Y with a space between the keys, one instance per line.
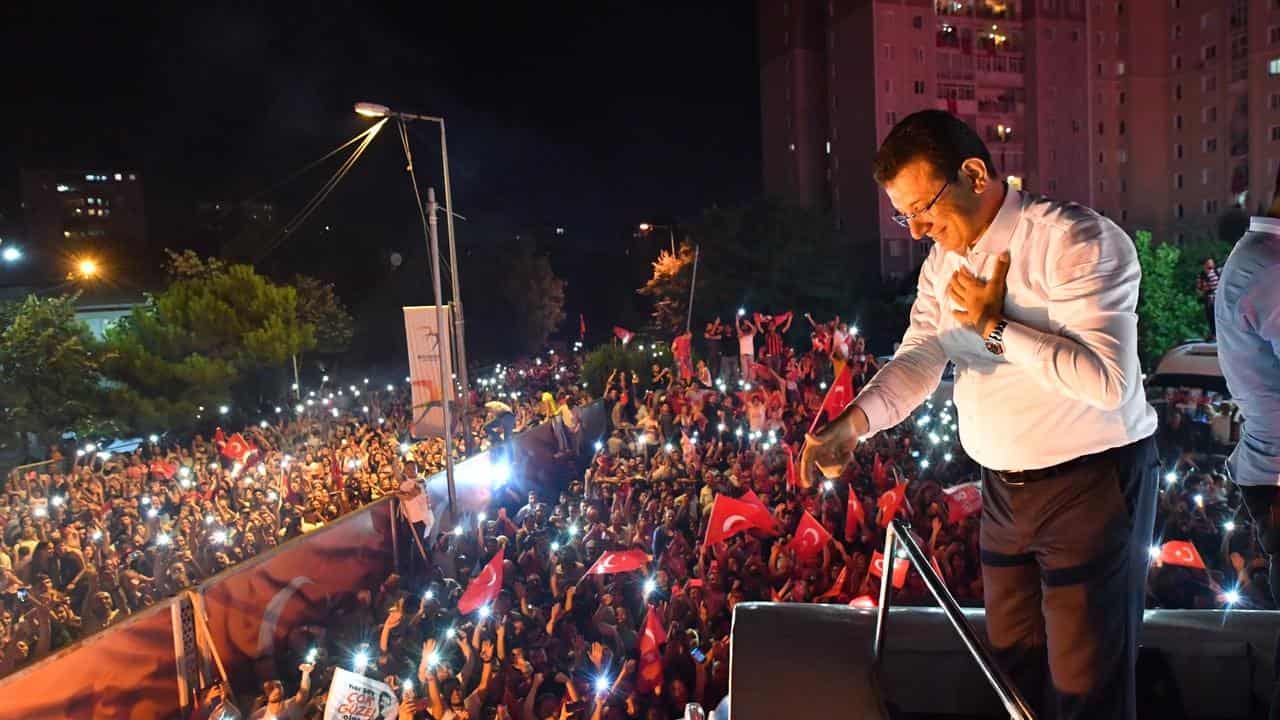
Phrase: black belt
x=1021 y=477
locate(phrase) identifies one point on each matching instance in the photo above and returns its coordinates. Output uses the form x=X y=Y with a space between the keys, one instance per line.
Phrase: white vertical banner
x=428 y=350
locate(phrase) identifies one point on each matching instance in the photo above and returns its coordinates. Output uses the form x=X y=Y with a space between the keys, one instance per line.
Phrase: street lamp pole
x=374 y=110
x=671 y=233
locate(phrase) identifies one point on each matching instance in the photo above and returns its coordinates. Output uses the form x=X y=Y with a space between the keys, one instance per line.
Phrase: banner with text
x=427 y=334
x=356 y=697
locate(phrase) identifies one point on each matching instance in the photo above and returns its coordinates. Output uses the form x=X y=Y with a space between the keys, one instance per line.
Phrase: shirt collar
x=995 y=239
x=1270 y=226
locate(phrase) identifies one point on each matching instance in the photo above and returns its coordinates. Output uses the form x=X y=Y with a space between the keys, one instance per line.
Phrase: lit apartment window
x=1122 y=155
x=1120 y=68
x=1273 y=66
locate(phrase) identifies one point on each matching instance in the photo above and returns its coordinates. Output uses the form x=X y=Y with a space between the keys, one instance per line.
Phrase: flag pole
x=693 y=283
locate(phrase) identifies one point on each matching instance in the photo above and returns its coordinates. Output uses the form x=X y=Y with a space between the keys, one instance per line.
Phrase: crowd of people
x=102 y=531
x=615 y=587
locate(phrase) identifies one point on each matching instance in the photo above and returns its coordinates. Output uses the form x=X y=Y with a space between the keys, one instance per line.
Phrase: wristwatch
x=995 y=340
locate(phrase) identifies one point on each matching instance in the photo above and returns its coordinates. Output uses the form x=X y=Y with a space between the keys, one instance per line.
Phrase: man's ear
x=975 y=170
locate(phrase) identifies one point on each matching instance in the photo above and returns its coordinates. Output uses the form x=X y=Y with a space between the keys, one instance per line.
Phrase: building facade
x=1162 y=114
x=83 y=214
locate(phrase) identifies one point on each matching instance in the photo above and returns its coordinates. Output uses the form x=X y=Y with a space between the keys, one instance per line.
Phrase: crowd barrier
x=130 y=670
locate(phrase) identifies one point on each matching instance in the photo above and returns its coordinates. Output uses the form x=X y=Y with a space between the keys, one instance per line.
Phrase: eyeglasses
x=905 y=220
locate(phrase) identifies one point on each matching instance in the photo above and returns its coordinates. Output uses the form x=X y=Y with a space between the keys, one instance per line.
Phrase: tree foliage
x=50 y=379
x=509 y=285
x=192 y=343
x=1168 y=310
x=764 y=255
x=320 y=307
x=603 y=360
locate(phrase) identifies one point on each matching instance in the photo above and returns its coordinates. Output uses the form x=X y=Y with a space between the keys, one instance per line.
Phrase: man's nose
x=919 y=227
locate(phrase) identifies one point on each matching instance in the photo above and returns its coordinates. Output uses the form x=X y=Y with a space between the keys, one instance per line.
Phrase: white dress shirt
x=1069 y=382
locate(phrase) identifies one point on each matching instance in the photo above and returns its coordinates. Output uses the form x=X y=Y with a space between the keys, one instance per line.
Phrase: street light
x=428 y=217
x=646 y=228
x=87 y=267
x=11 y=254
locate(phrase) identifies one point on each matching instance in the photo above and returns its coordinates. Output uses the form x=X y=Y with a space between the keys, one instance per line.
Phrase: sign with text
x=356 y=697
x=427 y=333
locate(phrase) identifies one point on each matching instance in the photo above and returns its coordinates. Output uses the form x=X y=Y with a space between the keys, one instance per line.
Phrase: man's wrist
x=859 y=425
x=989 y=324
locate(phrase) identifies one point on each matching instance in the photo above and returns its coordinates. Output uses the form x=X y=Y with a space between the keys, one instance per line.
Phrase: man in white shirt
x=1034 y=302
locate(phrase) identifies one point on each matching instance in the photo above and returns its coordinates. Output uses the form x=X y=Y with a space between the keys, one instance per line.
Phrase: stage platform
x=809 y=661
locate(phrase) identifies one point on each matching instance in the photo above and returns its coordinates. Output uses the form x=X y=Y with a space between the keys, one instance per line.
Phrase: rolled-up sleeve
x=1092 y=301
x=915 y=370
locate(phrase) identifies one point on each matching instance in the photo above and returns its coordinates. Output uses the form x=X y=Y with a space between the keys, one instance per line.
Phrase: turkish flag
x=900 y=569
x=219 y=437
x=164 y=469
x=879 y=475
x=793 y=476
x=623 y=334
x=650 y=675
x=582 y=327
x=750 y=497
x=236 y=449
x=854 y=515
x=484 y=589
x=1181 y=552
x=619 y=561
x=810 y=537
x=839 y=395
x=963 y=501
x=890 y=503
x=730 y=517
x=863 y=602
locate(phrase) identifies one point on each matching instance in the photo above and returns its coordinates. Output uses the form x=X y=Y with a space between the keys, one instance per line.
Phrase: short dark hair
x=936 y=136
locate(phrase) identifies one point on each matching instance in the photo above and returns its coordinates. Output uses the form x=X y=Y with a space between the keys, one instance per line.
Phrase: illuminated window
x=1273 y=67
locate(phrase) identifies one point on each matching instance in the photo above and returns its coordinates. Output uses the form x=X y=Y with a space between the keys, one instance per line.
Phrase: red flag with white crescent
x=623 y=334
x=793 y=475
x=730 y=517
x=1181 y=552
x=236 y=449
x=751 y=497
x=650 y=674
x=839 y=395
x=810 y=537
x=890 y=503
x=879 y=475
x=900 y=569
x=854 y=516
x=619 y=561
x=963 y=501
x=484 y=589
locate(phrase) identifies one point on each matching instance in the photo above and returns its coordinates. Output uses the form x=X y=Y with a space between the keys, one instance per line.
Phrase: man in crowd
x=1034 y=301
x=1248 y=327
x=1207 y=290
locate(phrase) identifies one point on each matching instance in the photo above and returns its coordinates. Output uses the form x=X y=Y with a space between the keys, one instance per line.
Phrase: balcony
x=999 y=107
x=954 y=8
x=995 y=10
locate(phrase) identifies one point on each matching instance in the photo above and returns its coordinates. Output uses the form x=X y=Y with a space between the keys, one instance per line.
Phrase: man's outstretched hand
x=828 y=450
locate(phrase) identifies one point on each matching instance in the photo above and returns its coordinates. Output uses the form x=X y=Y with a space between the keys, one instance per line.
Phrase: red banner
x=901 y=567
x=963 y=501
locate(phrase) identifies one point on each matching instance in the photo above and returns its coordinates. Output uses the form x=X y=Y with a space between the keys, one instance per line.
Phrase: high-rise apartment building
x=1161 y=114
x=93 y=213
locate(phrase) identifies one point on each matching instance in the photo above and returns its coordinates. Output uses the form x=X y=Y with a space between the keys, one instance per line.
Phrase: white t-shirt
x=747 y=344
x=416 y=507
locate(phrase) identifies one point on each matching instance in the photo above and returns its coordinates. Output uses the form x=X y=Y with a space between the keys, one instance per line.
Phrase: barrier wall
x=128 y=671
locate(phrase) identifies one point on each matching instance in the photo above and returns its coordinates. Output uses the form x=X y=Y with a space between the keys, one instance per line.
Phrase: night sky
x=591 y=116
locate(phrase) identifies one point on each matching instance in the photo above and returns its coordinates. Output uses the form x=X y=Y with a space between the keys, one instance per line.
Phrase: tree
x=511 y=286
x=765 y=255
x=1168 y=312
x=320 y=307
x=199 y=342
x=50 y=379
